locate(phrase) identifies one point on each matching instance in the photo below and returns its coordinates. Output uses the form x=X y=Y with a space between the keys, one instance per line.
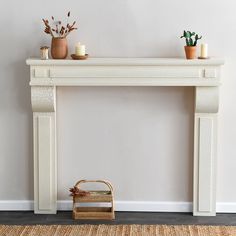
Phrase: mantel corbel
x=205 y=150
x=207 y=99
x=43 y=100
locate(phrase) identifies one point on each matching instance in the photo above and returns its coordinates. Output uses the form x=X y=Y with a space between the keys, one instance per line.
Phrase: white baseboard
x=144 y=206
x=16 y=205
x=140 y=206
x=226 y=207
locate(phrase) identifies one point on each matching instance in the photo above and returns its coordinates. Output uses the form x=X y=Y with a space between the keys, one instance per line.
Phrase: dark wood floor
x=64 y=217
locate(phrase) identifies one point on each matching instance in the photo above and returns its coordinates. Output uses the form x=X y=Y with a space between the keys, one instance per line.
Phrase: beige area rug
x=117 y=230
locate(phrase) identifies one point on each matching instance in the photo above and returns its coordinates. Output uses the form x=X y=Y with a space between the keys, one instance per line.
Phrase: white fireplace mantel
x=204 y=75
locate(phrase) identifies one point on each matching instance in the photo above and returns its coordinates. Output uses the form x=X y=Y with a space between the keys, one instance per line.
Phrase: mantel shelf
x=125 y=72
x=126 y=62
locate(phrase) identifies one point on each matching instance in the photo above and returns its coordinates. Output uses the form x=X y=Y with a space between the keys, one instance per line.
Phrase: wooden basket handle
x=107 y=183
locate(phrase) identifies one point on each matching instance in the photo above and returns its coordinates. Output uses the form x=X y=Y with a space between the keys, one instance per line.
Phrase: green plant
x=191 y=38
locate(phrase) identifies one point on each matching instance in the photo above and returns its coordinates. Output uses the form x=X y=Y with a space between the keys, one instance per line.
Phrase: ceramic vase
x=59 y=48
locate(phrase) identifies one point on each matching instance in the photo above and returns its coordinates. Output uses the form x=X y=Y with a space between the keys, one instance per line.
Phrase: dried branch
x=78 y=192
x=47 y=29
x=60 y=30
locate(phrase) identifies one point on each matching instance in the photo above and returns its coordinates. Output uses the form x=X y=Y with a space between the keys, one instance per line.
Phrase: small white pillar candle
x=204 y=50
x=79 y=50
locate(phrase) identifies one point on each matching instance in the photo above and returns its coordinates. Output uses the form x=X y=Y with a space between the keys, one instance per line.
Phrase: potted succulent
x=191 y=39
x=59 y=32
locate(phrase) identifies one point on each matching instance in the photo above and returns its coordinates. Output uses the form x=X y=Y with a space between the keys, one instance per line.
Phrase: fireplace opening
x=140 y=138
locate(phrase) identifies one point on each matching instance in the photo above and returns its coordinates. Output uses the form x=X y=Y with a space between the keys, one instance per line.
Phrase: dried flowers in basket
x=75 y=191
x=91 y=197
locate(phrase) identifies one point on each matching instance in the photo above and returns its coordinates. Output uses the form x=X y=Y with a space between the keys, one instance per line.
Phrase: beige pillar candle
x=204 y=50
x=79 y=50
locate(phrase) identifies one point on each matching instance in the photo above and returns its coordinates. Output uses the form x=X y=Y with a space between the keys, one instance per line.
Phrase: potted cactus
x=191 y=39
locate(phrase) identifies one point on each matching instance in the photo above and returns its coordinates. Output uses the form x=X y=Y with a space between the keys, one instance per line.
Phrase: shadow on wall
x=17 y=136
x=21 y=74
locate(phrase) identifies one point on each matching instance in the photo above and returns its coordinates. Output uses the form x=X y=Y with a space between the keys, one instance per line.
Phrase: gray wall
x=139 y=138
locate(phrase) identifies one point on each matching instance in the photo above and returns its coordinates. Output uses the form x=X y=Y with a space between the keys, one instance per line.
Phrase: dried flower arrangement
x=78 y=192
x=56 y=29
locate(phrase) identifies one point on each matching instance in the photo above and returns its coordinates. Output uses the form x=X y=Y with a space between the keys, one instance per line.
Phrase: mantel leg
x=45 y=172
x=205 y=151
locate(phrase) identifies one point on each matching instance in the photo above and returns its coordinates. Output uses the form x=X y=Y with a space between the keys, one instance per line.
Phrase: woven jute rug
x=117 y=230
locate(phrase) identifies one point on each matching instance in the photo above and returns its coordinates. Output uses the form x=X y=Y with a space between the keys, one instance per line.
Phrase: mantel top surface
x=126 y=62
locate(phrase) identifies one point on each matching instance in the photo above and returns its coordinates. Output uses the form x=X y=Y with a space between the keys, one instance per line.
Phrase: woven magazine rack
x=90 y=198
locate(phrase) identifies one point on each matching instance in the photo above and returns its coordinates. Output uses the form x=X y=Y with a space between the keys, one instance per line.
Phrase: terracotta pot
x=190 y=52
x=59 y=48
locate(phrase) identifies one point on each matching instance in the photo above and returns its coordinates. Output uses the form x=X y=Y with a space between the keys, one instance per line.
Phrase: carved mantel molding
x=43 y=98
x=204 y=75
